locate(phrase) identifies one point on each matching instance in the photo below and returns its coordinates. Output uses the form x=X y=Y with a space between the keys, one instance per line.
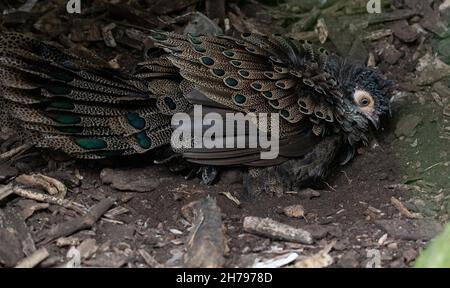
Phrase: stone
x=138 y=180
x=317 y=231
x=294 y=211
x=420 y=229
x=409 y=255
x=444 y=50
x=391 y=55
x=406 y=125
x=404 y=32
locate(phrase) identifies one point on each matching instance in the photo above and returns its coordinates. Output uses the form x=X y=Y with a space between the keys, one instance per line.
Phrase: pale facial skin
x=366 y=105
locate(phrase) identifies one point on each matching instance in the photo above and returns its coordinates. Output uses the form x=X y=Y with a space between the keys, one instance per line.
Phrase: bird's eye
x=363 y=98
x=364 y=102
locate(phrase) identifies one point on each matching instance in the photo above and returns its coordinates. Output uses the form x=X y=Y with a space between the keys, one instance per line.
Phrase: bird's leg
x=208 y=174
x=296 y=173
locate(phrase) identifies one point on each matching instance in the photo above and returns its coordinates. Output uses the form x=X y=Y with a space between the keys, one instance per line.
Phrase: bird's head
x=365 y=99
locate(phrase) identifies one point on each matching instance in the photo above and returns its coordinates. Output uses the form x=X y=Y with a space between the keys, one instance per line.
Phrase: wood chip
x=403 y=210
x=231 y=197
x=53 y=186
x=295 y=211
x=49 y=199
x=149 y=259
x=5 y=191
x=80 y=223
x=270 y=228
x=34 y=259
x=319 y=260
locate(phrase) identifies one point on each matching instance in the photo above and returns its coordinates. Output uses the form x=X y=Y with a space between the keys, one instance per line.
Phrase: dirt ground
x=354 y=211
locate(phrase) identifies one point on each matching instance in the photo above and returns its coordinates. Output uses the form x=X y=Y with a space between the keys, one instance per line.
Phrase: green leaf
x=437 y=254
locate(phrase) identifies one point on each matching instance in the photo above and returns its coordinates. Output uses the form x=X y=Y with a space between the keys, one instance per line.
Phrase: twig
x=80 y=223
x=346 y=176
x=5 y=191
x=403 y=210
x=13 y=152
x=34 y=259
x=432 y=166
x=49 y=199
x=329 y=186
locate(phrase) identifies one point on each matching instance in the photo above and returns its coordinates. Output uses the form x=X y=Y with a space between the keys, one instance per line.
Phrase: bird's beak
x=375 y=120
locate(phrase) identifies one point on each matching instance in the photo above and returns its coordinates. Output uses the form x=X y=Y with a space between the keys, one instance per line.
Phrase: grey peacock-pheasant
x=326 y=104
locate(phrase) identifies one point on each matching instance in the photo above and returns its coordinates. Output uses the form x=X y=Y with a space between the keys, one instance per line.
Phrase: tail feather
x=81 y=107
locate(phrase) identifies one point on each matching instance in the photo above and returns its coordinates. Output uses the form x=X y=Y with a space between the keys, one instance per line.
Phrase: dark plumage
x=64 y=102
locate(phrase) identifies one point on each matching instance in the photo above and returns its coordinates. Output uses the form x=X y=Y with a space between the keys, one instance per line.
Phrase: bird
x=327 y=105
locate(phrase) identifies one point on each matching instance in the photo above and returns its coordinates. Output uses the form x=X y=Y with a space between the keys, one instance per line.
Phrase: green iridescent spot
x=196 y=40
x=236 y=62
x=240 y=99
x=244 y=73
x=59 y=90
x=274 y=102
x=228 y=53
x=170 y=103
x=135 y=120
x=199 y=49
x=231 y=82
x=256 y=85
x=218 y=72
x=91 y=143
x=143 y=140
x=61 y=104
x=159 y=37
x=284 y=113
x=63 y=118
x=208 y=61
x=267 y=94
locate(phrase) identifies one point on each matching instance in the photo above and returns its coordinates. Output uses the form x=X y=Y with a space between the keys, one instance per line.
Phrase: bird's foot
x=208 y=174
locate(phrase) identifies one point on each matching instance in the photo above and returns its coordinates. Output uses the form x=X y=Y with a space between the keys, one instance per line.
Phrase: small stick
x=403 y=210
x=49 y=199
x=80 y=223
x=432 y=166
x=5 y=191
x=13 y=152
x=267 y=227
x=34 y=259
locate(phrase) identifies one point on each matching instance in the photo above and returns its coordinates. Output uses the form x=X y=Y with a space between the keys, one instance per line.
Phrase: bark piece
x=206 y=246
x=270 y=228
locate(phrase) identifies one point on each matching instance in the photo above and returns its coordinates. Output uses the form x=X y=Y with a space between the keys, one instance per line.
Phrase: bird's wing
x=258 y=74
